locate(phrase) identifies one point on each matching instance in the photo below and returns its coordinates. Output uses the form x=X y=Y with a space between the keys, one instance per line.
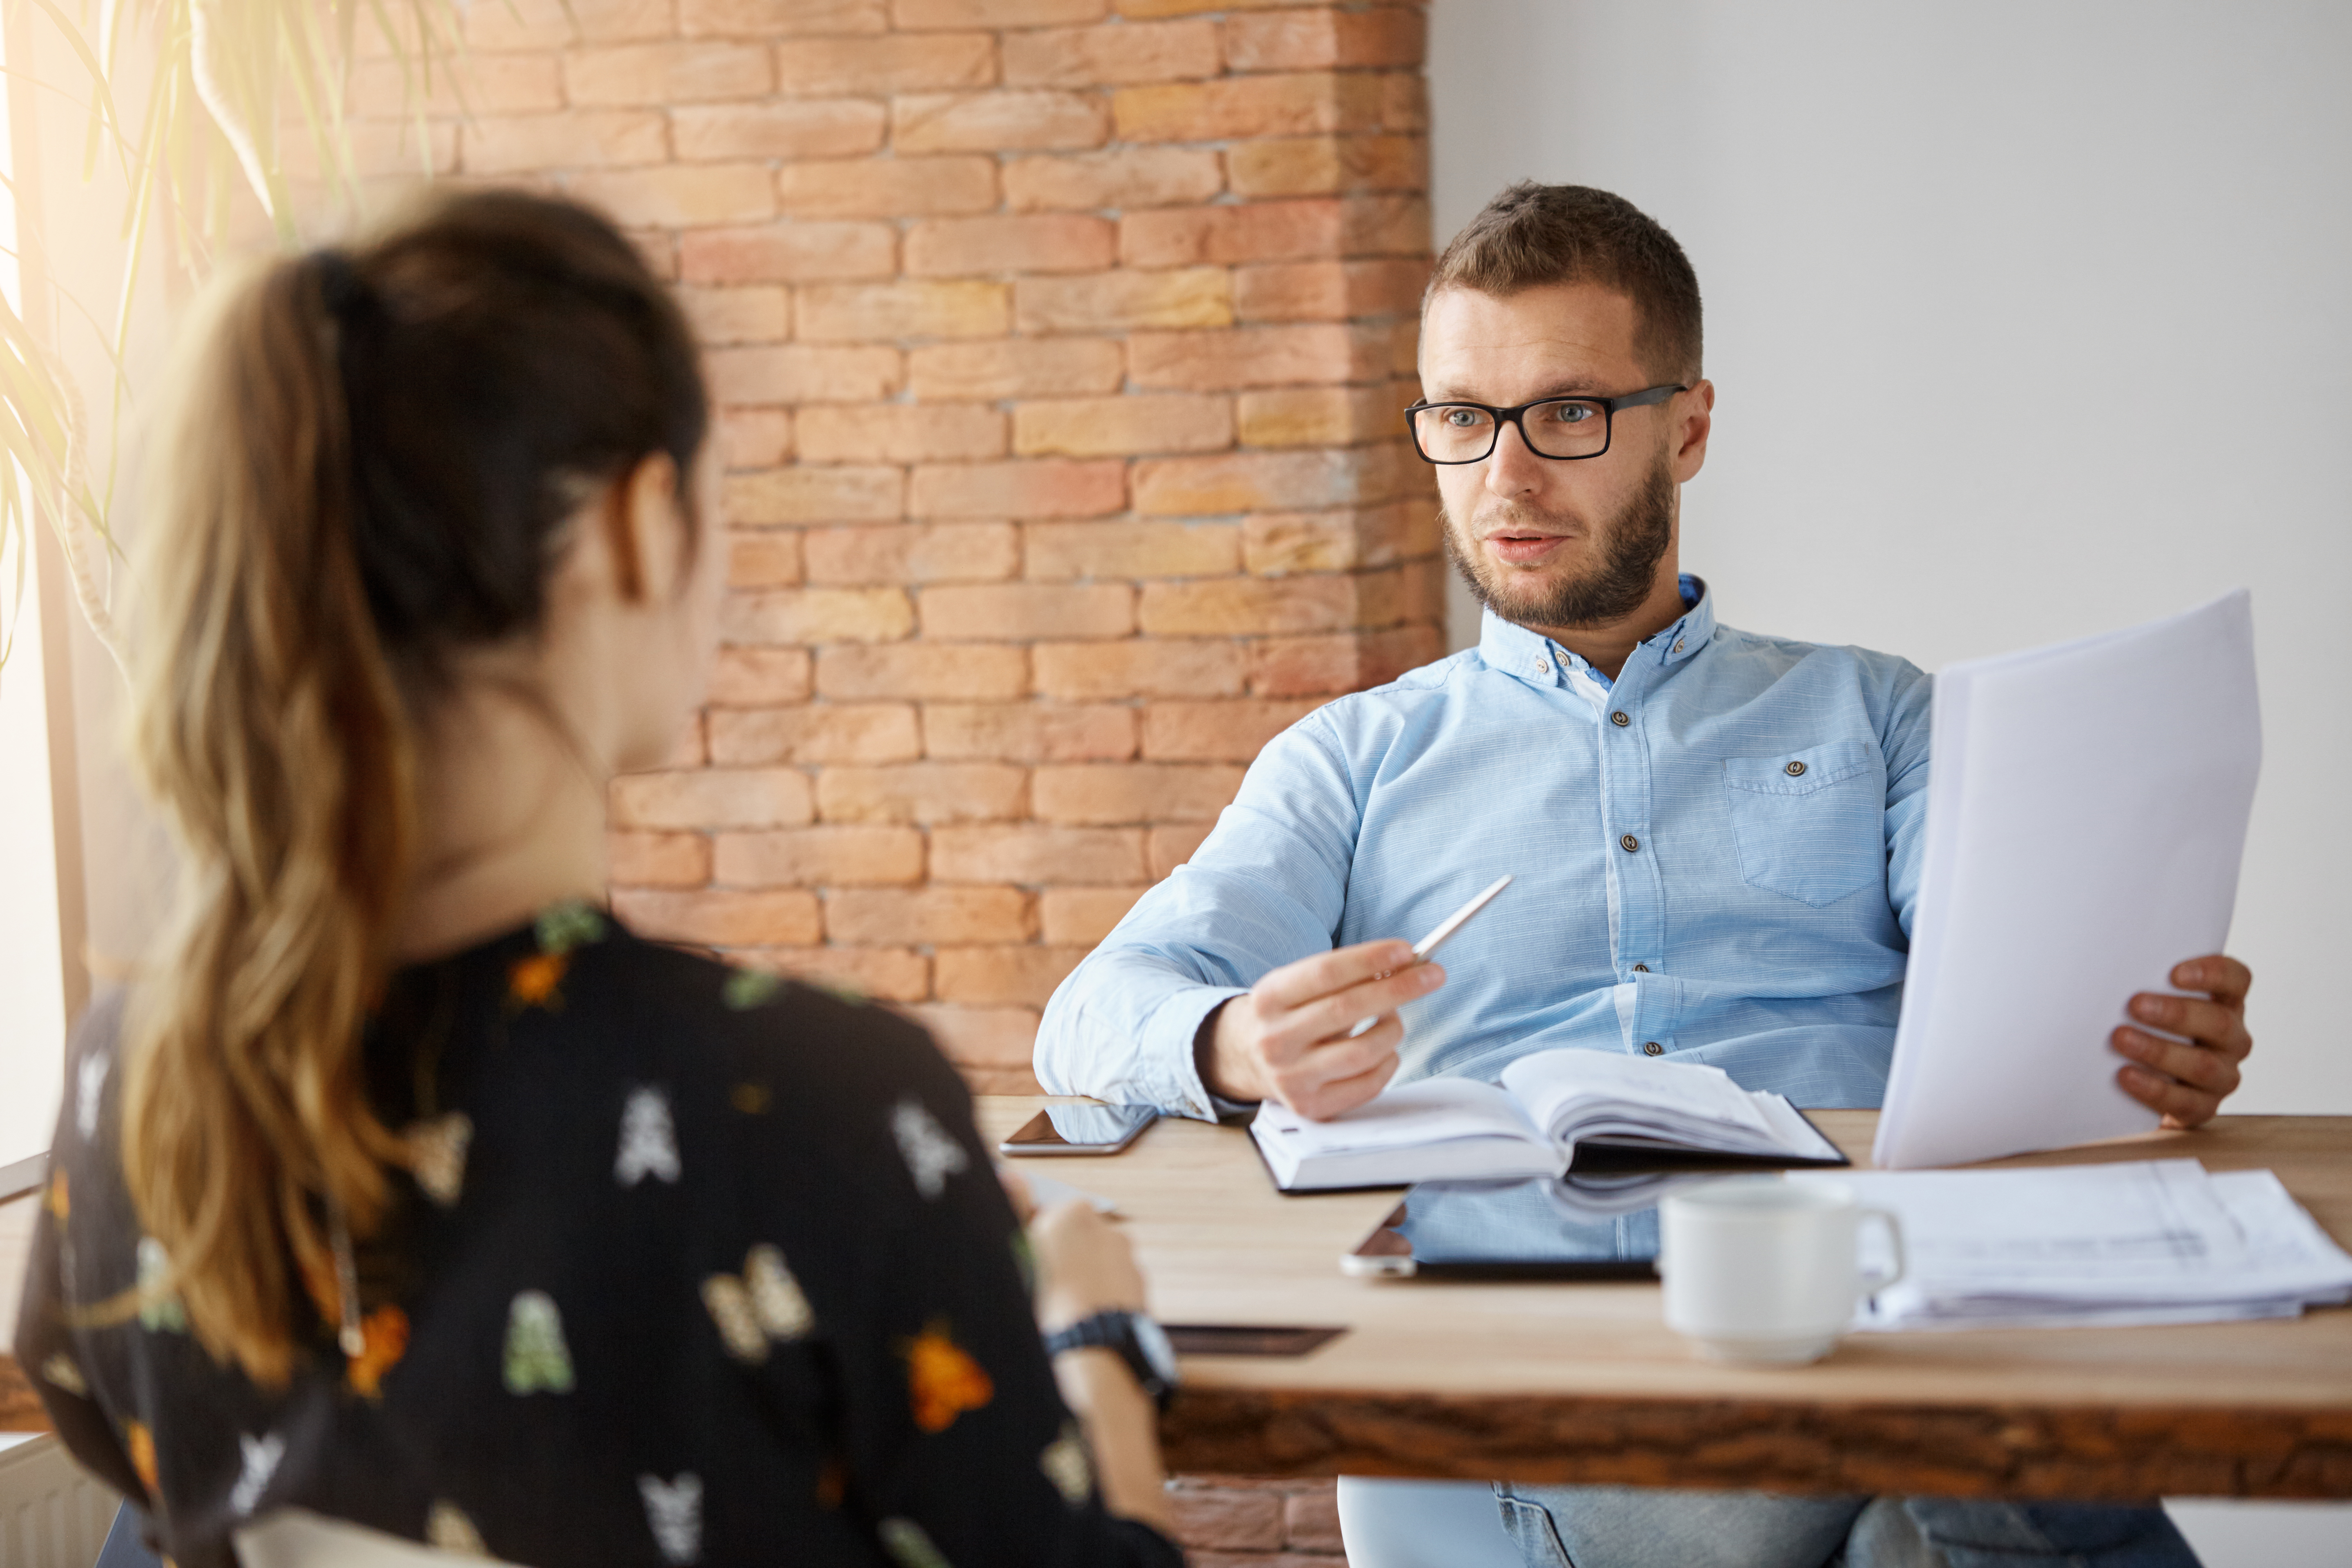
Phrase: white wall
x=2027 y=321
x=34 y=918
x=32 y=955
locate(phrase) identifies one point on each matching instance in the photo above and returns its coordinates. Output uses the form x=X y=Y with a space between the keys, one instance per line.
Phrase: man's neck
x=1607 y=645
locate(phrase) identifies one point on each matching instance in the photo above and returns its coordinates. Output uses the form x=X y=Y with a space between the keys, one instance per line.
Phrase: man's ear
x=1695 y=423
x=645 y=528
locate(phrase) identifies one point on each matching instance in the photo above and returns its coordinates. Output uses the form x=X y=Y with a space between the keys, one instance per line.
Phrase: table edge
x=1989 y=1449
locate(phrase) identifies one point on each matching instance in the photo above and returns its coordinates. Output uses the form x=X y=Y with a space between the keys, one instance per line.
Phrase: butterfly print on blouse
x=674 y=1514
x=942 y=1380
x=930 y=1154
x=260 y=1456
x=1068 y=1466
x=765 y=1303
x=160 y=1310
x=649 y=1138
x=437 y=1153
x=90 y=1093
x=909 y=1544
x=537 y=1358
x=447 y=1529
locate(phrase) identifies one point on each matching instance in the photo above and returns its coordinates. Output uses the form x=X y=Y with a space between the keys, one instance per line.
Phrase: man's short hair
x=1535 y=234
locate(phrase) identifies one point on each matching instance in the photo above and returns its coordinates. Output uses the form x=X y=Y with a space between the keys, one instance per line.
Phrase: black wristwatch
x=1138 y=1341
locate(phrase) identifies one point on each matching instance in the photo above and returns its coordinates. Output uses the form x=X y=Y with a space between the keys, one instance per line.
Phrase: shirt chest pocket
x=1811 y=824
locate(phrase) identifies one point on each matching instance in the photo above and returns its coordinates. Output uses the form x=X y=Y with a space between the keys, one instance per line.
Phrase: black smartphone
x=1242 y=1339
x=1080 y=1130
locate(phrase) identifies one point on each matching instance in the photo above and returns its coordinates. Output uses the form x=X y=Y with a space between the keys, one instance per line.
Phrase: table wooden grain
x=1557 y=1382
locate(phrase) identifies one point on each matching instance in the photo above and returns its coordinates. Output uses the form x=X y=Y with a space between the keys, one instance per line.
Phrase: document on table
x=1048 y=1190
x=2157 y=1241
x=2087 y=814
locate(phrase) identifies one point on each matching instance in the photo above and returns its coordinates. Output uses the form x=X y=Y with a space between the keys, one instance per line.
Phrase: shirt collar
x=1536 y=659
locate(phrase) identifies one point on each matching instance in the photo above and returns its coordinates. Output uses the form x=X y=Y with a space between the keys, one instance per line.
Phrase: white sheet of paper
x=2150 y=1242
x=2086 y=814
x=1048 y=1190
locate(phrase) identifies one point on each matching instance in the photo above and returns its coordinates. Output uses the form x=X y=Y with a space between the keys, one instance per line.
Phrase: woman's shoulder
x=758 y=1008
x=795 y=1086
x=753 y=1032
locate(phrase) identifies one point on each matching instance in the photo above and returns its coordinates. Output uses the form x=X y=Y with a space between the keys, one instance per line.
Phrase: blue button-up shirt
x=1717 y=856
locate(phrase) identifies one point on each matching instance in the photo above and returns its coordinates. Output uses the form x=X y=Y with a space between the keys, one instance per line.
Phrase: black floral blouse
x=694 y=1266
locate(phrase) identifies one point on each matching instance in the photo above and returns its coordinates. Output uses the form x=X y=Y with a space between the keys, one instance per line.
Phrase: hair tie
x=341 y=289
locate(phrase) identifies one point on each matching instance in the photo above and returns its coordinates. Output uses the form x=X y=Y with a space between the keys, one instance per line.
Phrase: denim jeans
x=1631 y=1527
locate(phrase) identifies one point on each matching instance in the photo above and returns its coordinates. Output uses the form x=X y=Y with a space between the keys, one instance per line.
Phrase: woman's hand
x=1084 y=1266
x=1017 y=1192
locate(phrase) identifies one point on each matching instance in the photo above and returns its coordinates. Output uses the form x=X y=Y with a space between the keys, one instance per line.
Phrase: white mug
x=1765 y=1269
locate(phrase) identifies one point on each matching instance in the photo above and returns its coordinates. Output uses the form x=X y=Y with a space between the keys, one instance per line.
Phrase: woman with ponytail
x=408 y=1192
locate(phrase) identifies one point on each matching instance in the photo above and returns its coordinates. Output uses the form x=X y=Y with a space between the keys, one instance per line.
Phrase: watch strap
x=1114 y=1330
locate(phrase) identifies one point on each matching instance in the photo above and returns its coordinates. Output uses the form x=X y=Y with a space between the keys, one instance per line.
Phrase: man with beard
x=1715 y=835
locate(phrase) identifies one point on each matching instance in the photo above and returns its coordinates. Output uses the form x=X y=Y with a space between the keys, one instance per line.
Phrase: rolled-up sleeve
x=1908 y=728
x=1267 y=888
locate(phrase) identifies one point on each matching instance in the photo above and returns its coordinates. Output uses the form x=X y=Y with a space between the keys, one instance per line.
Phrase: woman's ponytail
x=270 y=726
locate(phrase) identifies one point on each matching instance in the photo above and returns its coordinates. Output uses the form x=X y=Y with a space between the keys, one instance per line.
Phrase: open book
x=1591 y=1108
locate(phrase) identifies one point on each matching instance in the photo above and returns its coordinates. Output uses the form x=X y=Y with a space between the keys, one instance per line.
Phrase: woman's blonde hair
x=366 y=462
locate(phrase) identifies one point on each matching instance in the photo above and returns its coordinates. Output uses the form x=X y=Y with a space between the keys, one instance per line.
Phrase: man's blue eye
x=1569 y=413
x=1466 y=419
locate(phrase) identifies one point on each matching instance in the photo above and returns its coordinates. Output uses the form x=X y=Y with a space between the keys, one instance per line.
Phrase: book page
x=1789 y=1129
x=1405 y=1116
x=1561 y=1088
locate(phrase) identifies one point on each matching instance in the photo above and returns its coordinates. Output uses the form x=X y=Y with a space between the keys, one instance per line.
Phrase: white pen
x=1444 y=933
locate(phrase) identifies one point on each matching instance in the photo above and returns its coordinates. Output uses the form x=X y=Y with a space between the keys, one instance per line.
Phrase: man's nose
x=1512 y=469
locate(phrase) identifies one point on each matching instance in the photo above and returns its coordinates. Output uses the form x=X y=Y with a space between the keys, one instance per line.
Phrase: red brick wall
x=1234 y=1522
x=1059 y=346
x=1059 y=354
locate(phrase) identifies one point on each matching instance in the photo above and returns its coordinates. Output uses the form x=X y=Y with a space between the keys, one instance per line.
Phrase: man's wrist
x=1214 y=1070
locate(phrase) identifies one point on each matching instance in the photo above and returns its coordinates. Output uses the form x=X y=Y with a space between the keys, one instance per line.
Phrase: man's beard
x=1631 y=545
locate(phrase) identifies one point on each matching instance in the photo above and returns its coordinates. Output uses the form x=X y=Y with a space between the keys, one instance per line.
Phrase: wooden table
x=1547 y=1382
x=1583 y=1383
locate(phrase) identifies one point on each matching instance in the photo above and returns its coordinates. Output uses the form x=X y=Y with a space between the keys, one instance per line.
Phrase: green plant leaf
x=228 y=81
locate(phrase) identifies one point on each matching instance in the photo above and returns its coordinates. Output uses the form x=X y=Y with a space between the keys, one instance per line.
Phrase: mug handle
x=1877 y=1282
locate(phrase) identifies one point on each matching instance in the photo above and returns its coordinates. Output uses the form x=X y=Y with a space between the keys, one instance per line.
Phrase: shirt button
x=1543 y=666
x=1678 y=647
x=1652 y=1048
x=1796 y=770
x=1628 y=843
x=1640 y=969
x=1619 y=719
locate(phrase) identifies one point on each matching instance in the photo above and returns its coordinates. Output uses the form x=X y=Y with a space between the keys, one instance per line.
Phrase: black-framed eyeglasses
x=1565 y=428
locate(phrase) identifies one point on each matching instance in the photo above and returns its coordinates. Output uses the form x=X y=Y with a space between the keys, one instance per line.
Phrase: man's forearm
x=1268 y=887
x=1122 y=1027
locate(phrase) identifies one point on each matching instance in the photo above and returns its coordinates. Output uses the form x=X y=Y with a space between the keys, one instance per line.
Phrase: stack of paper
x=2152 y=1242
x=2071 y=859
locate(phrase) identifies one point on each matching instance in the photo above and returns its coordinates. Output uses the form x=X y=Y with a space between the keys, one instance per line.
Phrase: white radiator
x=52 y=1514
